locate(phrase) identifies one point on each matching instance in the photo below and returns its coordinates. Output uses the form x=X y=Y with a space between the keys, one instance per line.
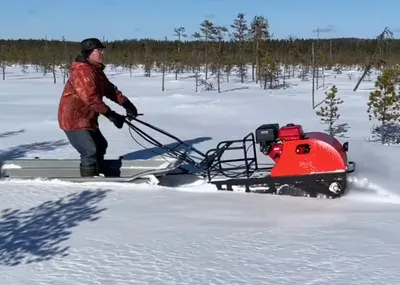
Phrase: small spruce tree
x=383 y=106
x=329 y=113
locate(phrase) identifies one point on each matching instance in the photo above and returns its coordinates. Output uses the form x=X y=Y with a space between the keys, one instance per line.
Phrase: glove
x=131 y=110
x=117 y=119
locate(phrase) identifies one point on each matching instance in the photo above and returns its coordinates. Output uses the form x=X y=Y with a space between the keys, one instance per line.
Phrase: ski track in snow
x=54 y=232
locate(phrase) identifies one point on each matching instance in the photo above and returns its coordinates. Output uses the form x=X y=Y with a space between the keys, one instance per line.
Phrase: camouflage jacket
x=82 y=98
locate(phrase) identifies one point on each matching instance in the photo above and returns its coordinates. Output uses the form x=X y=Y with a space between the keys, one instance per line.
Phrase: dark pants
x=91 y=145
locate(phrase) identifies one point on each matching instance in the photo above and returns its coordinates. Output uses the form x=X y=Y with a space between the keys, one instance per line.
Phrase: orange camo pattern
x=82 y=98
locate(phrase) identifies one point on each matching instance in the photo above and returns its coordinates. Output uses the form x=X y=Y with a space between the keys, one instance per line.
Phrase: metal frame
x=214 y=161
x=211 y=164
x=171 y=151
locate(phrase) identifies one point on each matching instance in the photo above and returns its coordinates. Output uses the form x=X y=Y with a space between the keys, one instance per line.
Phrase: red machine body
x=287 y=133
x=298 y=153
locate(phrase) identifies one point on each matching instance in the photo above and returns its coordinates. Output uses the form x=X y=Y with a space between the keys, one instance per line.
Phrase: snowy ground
x=61 y=233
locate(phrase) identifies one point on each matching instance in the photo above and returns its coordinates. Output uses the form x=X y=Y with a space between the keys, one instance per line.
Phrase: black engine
x=266 y=135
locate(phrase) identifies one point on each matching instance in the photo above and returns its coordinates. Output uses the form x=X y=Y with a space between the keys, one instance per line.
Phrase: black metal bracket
x=242 y=165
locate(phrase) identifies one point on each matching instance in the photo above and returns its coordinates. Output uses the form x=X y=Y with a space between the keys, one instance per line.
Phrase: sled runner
x=300 y=163
x=118 y=170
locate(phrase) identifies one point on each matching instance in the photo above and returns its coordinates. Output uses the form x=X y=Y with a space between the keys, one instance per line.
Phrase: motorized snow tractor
x=300 y=163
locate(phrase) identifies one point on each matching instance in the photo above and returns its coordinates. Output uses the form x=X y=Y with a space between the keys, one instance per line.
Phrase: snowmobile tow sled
x=311 y=164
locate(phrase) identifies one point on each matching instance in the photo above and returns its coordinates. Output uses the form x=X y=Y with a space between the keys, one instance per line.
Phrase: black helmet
x=91 y=44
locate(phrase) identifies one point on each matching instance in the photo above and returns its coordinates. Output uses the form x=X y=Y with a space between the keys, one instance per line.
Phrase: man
x=82 y=102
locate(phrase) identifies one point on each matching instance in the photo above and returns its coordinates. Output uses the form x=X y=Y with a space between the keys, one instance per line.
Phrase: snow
x=11 y=166
x=54 y=232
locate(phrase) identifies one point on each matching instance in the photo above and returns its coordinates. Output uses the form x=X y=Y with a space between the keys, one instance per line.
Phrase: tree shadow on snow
x=21 y=150
x=386 y=134
x=36 y=234
x=235 y=89
x=11 y=133
x=155 y=151
x=340 y=130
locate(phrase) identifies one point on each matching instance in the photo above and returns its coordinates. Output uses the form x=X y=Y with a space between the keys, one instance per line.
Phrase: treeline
x=220 y=51
x=241 y=43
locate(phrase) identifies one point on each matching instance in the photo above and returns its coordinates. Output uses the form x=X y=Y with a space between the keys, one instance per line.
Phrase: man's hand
x=117 y=119
x=131 y=110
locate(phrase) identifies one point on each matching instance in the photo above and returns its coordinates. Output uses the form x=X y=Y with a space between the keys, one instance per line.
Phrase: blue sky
x=123 y=19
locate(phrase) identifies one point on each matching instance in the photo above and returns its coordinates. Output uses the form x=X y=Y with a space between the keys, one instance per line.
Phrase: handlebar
x=131 y=118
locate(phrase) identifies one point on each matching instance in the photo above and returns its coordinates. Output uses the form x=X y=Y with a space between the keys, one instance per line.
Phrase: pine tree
x=241 y=35
x=180 y=33
x=266 y=69
x=383 y=104
x=330 y=112
x=207 y=28
x=258 y=32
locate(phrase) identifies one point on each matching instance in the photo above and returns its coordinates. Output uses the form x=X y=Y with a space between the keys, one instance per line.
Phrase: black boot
x=102 y=168
x=89 y=171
